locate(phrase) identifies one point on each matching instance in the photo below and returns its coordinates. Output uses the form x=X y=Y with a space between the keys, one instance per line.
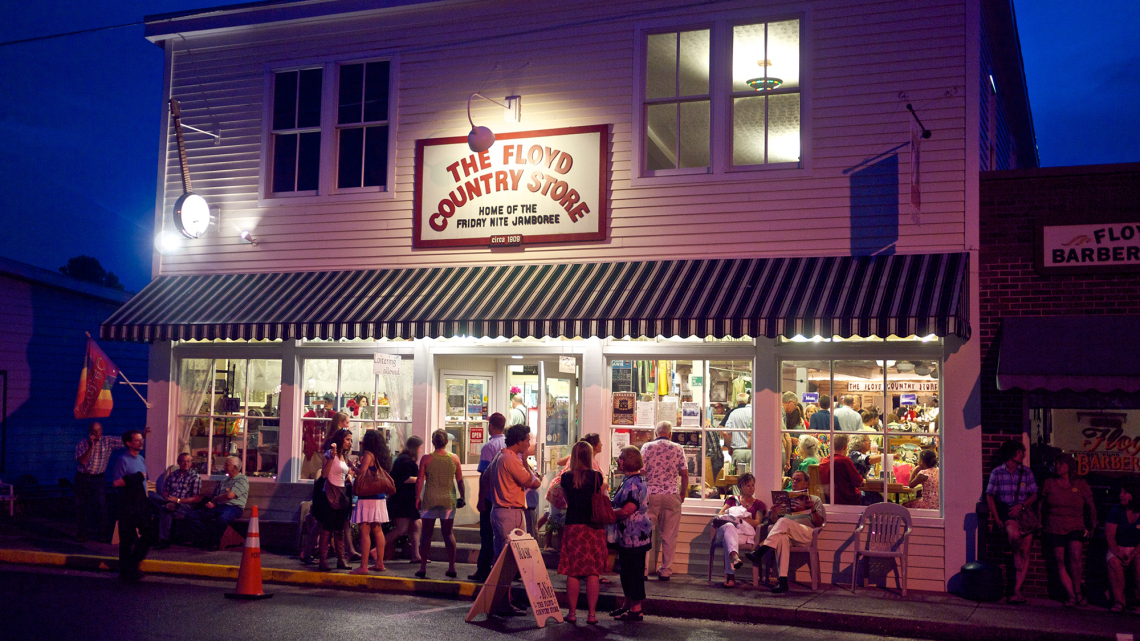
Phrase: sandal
x=1082 y=601
x=728 y=584
x=604 y=581
x=451 y=574
x=421 y=574
x=737 y=563
x=630 y=615
x=592 y=621
x=1017 y=600
x=1117 y=607
x=620 y=611
x=570 y=619
x=1071 y=603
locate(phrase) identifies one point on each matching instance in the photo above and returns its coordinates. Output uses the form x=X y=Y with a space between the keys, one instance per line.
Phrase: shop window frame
x=721 y=96
x=616 y=349
x=327 y=191
x=872 y=350
x=320 y=352
x=214 y=355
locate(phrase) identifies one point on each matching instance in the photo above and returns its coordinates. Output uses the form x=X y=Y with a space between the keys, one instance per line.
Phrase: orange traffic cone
x=249 y=574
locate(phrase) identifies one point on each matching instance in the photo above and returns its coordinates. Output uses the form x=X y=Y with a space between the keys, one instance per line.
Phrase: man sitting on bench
x=227 y=503
x=177 y=496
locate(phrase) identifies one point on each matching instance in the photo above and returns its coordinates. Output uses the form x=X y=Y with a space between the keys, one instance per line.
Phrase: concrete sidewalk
x=872 y=610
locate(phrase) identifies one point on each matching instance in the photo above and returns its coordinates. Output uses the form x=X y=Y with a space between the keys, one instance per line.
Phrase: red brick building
x=1013 y=205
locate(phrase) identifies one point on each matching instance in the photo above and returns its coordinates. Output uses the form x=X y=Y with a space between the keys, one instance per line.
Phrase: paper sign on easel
x=520 y=555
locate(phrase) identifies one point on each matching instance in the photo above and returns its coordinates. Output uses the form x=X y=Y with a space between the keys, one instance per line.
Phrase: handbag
x=374 y=481
x=603 y=511
x=335 y=495
x=1028 y=520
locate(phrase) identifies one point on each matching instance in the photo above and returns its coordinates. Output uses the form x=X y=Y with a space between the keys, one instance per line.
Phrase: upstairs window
x=750 y=72
x=766 y=93
x=362 y=125
x=296 y=136
x=677 y=100
x=329 y=133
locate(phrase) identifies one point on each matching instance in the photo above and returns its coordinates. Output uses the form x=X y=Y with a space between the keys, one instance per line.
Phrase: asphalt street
x=63 y=604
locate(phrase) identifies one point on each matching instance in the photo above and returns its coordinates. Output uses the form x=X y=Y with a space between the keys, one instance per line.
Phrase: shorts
x=1050 y=540
x=1110 y=556
x=441 y=513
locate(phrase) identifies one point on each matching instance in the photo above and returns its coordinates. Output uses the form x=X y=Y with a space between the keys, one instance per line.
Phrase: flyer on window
x=646 y=414
x=690 y=414
x=624 y=407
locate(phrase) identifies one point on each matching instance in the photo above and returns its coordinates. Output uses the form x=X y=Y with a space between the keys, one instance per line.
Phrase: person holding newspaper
x=794 y=516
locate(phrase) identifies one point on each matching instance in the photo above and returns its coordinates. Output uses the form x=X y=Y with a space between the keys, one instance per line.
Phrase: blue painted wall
x=42 y=345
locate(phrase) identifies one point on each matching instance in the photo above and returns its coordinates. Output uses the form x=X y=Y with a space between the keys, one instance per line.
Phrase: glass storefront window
x=230 y=407
x=700 y=398
x=859 y=429
x=371 y=401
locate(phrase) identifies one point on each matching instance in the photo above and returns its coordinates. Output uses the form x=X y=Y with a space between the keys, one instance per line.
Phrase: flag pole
x=127 y=381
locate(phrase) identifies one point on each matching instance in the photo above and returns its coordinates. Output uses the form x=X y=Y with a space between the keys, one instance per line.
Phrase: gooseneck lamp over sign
x=481 y=138
x=191 y=213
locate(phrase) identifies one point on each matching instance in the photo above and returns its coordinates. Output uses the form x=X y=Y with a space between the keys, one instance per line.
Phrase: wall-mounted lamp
x=245 y=235
x=481 y=138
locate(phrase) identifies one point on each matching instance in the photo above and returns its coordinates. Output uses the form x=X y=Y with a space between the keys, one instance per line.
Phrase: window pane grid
x=765 y=94
x=884 y=449
x=676 y=100
x=296 y=135
x=362 y=125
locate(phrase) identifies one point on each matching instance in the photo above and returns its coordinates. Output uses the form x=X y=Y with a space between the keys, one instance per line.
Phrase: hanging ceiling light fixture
x=764 y=83
x=481 y=138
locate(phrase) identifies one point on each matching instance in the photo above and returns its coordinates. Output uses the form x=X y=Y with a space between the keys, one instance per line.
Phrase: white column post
x=289 y=436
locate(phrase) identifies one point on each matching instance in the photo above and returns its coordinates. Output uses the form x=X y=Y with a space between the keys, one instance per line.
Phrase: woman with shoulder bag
x=402 y=504
x=333 y=504
x=373 y=485
x=634 y=533
x=583 y=539
x=1010 y=494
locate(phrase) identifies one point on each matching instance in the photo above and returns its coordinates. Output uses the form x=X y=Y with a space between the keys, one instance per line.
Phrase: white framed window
x=713 y=99
x=230 y=407
x=296 y=134
x=329 y=132
x=349 y=385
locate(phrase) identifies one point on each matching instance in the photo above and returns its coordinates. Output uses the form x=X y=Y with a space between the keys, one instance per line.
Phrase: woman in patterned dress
x=634 y=533
x=583 y=542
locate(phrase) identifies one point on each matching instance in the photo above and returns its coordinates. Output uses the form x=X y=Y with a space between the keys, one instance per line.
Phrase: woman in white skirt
x=372 y=511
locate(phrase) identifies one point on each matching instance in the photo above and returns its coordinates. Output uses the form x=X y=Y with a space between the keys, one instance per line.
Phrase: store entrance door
x=465 y=413
x=549 y=390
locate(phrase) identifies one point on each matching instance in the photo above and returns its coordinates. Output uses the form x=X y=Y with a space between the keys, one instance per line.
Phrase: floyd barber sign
x=1088 y=248
x=529 y=187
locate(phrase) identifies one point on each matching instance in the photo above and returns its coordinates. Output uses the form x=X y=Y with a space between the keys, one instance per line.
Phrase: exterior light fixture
x=245 y=235
x=481 y=138
x=167 y=243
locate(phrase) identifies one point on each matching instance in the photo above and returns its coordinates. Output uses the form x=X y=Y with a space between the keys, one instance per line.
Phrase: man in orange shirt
x=508 y=479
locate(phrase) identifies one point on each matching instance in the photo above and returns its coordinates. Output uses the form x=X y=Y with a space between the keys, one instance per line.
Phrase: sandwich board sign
x=521 y=555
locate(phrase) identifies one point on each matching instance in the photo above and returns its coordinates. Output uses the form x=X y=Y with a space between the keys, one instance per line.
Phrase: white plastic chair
x=887 y=527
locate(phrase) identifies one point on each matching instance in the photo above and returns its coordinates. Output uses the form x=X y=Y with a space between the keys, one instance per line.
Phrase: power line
x=69 y=33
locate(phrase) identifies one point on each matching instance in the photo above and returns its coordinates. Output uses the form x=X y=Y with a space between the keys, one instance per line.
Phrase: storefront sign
x=1097 y=431
x=893 y=386
x=810 y=397
x=386 y=364
x=567 y=365
x=1088 y=248
x=1106 y=462
x=530 y=187
x=475 y=441
x=908 y=399
x=520 y=556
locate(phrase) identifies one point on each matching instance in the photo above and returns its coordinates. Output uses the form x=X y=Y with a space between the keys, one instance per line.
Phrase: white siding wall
x=862 y=54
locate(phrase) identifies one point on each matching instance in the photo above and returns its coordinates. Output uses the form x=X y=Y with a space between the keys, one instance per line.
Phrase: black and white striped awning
x=903 y=295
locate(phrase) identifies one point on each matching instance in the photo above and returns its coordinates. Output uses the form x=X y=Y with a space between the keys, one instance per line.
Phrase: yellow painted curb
x=272 y=575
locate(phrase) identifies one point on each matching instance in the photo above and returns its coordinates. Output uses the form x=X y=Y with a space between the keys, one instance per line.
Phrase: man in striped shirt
x=91 y=457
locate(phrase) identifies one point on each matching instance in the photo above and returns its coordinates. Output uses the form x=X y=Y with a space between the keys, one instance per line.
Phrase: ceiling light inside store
x=928 y=338
x=905 y=366
x=922 y=369
x=519 y=357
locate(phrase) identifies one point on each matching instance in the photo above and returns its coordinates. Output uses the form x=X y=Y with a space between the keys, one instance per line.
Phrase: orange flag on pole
x=95 y=382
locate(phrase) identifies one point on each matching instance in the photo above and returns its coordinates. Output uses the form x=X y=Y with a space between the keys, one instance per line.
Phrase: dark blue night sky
x=79 y=117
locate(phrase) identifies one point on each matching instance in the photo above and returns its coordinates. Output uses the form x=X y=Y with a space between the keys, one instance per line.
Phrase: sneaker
x=781 y=586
